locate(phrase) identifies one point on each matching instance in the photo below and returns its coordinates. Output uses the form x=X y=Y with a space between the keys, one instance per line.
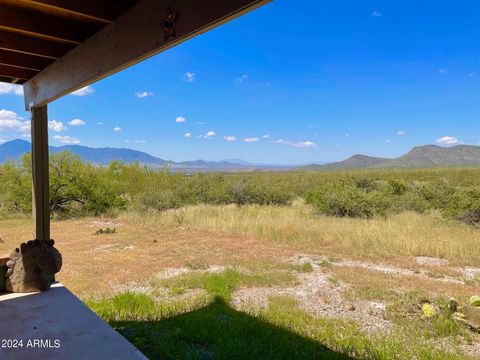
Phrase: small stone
x=453 y=305
x=350 y=307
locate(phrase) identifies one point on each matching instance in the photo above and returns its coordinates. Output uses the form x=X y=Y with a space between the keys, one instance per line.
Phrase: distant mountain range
x=418 y=157
x=14 y=150
x=421 y=156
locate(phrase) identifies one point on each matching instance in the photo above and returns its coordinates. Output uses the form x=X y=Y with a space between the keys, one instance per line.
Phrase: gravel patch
x=471 y=273
x=430 y=261
x=108 y=248
x=104 y=224
x=301 y=259
x=173 y=272
x=317 y=295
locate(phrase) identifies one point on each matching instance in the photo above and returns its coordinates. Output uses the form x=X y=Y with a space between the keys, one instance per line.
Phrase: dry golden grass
x=94 y=265
x=397 y=238
x=374 y=285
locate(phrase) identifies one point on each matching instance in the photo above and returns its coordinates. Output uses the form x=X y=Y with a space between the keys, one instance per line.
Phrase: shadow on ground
x=217 y=331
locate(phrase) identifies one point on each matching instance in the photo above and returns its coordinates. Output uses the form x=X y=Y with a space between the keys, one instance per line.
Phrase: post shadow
x=218 y=331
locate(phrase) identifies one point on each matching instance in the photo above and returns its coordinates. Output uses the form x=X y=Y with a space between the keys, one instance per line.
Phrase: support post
x=40 y=173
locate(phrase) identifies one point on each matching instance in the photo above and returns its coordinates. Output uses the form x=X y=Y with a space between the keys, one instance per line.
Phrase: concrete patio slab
x=57 y=325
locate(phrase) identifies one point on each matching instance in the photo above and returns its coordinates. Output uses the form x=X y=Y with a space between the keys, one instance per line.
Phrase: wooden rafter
x=15 y=72
x=27 y=21
x=104 y=11
x=23 y=60
x=33 y=46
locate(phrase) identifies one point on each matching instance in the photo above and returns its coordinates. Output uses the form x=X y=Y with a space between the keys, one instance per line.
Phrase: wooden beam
x=105 y=11
x=24 y=20
x=33 y=46
x=133 y=37
x=15 y=72
x=40 y=173
x=23 y=60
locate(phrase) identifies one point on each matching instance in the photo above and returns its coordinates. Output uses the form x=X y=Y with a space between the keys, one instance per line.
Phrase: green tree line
x=78 y=188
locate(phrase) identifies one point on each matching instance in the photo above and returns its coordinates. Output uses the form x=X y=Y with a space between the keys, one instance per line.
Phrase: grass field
x=273 y=282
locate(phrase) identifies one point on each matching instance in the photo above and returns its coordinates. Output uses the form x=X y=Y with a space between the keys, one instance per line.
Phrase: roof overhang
x=54 y=47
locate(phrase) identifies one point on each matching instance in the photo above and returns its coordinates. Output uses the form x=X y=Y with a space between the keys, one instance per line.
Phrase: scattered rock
x=317 y=295
x=453 y=305
x=108 y=248
x=471 y=273
x=430 y=261
x=106 y=231
x=104 y=224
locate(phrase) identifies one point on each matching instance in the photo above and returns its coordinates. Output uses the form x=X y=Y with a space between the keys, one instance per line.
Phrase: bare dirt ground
x=101 y=265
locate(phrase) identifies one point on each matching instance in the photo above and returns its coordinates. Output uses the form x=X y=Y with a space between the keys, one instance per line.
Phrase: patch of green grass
x=208 y=328
x=406 y=312
x=374 y=293
x=224 y=283
x=303 y=268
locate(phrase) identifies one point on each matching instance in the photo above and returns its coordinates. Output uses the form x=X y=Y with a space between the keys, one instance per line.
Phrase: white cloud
x=377 y=14
x=10 y=121
x=299 y=144
x=188 y=135
x=472 y=74
x=26 y=136
x=77 y=122
x=141 y=141
x=128 y=141
x=230 y=138
x=2 y=141
x=143 y=94
x=189 y=77
x=201 y=123
x=447 y=140
x=87 y=90
x=442 y=71
x=11 y=89
x=180 y=119
x=347 y=134
x=210 y=134
x=266 y=136
x=241 y=79
x=401 y=132
x=56 y=126
x=100 y=123
x=388 y=141
x=251 y=140
x=66 y=140
x=117 y=129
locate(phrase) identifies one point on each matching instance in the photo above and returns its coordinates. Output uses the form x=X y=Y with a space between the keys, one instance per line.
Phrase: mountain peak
x=417 y=157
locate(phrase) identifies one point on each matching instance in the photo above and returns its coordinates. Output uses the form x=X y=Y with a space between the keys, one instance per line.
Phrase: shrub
x=347 y=200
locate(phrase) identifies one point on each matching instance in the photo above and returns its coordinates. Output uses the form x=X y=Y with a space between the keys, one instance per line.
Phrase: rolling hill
x=14 y=150
x=418 y=157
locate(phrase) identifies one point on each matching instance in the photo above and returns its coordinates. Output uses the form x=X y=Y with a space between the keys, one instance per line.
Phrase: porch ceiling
x=54 y=47
x=34 y=34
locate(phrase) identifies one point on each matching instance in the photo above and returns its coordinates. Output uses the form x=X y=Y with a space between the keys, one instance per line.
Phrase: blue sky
x=292 y=82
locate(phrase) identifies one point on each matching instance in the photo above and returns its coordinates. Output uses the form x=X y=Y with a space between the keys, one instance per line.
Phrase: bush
x=349 y=200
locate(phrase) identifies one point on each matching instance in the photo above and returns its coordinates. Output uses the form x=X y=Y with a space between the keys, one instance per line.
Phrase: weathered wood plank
x=23 y=60
x=25 y=20
x=15 y=72
x=134 y=36
x=100 y=10
x=33 y=46
x=40 y=173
